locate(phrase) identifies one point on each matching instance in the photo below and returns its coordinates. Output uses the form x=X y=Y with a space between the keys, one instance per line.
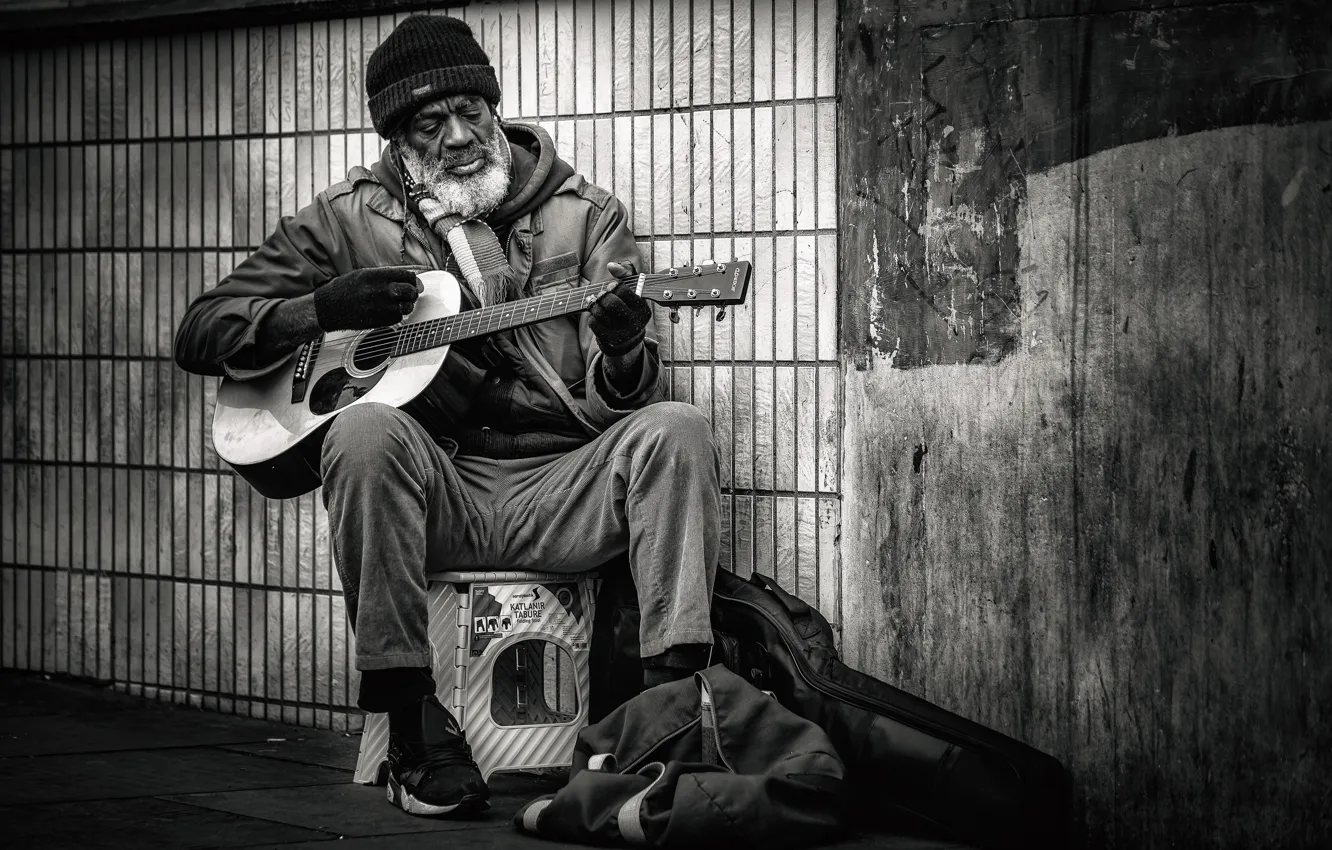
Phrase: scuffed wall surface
x=969 y=109
x=1113 y=540
x=1113 y=544
x=134 y=172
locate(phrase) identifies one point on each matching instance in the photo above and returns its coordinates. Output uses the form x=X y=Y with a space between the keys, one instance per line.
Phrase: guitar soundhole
x=373 y=349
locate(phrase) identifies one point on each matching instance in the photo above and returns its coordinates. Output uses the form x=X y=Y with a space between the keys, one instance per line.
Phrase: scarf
x=474 y=245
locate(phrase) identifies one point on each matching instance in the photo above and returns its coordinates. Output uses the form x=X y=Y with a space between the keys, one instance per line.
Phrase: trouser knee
x=676 y=427
x=366 y=436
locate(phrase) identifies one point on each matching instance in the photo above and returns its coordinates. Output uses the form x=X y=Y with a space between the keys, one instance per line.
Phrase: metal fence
x=134 y=173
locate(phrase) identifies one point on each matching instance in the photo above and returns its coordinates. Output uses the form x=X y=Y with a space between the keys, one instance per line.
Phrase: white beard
x=469 y=196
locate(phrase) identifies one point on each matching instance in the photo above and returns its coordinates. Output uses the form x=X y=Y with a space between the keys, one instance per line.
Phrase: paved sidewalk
x=83 y=766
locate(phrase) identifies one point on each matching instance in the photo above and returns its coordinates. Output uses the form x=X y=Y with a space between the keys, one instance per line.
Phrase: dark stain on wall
x=1000 y=100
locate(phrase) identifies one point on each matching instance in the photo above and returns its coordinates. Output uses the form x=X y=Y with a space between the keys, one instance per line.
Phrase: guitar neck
x=496 y=317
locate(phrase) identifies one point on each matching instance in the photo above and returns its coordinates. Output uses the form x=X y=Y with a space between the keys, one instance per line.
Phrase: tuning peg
x=721 y=314
x=675 y=316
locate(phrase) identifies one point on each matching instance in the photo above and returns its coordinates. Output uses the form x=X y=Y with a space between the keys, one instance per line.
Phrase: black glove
x=619 y=317
x=366 y=298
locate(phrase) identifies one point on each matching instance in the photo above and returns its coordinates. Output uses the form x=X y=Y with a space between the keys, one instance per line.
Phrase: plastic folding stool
x=511 y=663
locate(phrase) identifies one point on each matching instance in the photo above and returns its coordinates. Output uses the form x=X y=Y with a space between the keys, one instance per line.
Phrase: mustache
x=448 y=159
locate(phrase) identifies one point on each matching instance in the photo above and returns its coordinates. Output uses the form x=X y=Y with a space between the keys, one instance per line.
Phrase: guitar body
x=270 y=429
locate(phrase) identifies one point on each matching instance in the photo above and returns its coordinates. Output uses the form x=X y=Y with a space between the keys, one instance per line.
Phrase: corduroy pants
x=399 y=507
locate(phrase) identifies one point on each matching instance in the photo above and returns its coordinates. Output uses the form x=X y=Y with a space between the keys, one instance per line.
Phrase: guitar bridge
x=301 y=379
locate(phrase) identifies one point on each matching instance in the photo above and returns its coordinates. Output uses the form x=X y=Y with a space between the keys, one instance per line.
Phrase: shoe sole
x=470 y=804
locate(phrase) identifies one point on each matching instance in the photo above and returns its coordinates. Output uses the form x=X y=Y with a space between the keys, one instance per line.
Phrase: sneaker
x=430 y=765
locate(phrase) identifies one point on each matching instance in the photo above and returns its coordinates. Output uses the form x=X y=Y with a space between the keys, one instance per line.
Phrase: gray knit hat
x=425 y=58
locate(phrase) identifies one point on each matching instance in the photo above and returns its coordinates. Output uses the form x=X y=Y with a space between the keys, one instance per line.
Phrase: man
x=545 y=447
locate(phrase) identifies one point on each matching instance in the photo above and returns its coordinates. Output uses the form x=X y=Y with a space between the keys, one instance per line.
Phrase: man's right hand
x=366 y=298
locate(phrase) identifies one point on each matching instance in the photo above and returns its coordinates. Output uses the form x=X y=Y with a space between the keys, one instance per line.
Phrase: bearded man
x=545 y=447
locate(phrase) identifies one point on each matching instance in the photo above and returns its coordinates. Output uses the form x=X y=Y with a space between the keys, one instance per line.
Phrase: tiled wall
x=135 y=173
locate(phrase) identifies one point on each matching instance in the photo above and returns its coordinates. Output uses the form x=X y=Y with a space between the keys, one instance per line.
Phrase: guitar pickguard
x=337 y=389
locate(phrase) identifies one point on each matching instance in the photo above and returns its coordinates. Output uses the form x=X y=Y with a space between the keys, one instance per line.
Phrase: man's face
x=454 y=146
x=455 y=130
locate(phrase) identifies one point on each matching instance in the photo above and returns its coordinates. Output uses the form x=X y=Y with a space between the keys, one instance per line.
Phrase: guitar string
x=476 y=316
x=472 y=320
x=323 y=366
x=485 y=321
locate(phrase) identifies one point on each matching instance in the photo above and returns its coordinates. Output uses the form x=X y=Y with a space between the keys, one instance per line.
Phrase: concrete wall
x=1088 y=485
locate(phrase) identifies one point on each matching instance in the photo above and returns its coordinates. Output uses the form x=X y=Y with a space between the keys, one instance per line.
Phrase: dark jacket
x=532 y=390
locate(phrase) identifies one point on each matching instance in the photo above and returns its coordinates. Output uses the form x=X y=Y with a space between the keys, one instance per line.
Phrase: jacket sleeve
x=610 y=240
x=217 y=334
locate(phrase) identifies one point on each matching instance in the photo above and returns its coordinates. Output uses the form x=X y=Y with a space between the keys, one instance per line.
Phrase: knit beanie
x=425 y=58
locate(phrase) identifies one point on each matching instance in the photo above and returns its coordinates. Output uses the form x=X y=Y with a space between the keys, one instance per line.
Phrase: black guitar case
x=915 y=768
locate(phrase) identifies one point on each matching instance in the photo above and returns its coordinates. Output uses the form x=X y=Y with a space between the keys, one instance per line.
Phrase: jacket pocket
x=560 y=270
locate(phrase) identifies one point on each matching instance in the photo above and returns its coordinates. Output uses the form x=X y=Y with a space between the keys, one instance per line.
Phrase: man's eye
x=427 y=129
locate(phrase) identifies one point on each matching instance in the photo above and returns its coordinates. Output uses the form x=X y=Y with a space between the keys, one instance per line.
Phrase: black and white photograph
x=776 y=424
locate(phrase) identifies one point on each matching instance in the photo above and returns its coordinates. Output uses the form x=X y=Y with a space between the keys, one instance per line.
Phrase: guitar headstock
x=709 y=283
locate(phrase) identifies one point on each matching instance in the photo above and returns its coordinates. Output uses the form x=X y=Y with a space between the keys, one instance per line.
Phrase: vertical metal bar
x=46 y=511
x=304 y=121
x=829 y=573
x=339 y=117
x=322 y=673
x=239 y=101
x=156 y=82
x=36 y=368
x=151 y=82
x=268 y=126
x=136 y=128
x=251 y=226
x=212 y=241
x=182 y=243
x=8 y=299
x=60 y=99
x=787 y=419
x=197 y=477
x=22 y=346
x=110 y=324
x=821 y=568
x=286 y=122
x=137 y=106
x=72 y=198
x=173 y=128
x=770 y=144
x=735 y=254
x=30 y=577
x=752 y=217
x=227 y=162
x=92 y=374
x=654 y=156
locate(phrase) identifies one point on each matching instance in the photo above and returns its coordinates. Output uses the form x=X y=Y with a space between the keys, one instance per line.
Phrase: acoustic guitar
x=271 y=429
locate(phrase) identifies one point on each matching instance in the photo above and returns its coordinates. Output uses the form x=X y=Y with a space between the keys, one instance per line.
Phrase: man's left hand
x=619 y=317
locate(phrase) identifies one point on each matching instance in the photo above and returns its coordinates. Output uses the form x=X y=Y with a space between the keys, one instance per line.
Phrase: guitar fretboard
x=497 y=317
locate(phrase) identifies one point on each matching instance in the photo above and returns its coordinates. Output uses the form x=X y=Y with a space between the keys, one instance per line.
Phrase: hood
x=535 y=172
